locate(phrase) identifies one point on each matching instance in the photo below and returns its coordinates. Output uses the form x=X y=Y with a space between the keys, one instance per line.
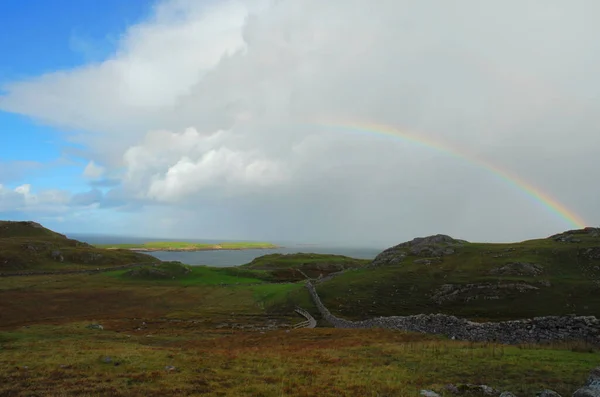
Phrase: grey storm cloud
x=214 y=116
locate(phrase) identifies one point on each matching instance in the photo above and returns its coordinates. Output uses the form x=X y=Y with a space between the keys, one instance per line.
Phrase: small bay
x=227 y=258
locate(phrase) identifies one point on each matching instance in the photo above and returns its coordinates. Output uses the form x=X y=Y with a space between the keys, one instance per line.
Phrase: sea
x=227 y=258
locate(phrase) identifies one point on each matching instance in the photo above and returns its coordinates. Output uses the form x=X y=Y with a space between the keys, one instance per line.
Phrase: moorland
x=81 y=320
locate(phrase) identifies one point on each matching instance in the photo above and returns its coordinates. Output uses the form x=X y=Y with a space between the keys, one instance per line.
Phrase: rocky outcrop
x=470 y=292
x=427 y=247
x=591 y=389
x=572 y=236
x=535 y=330
x=518 y=269
x=592 y=253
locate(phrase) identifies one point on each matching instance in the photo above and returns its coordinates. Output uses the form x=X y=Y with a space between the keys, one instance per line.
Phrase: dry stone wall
x=535 y=330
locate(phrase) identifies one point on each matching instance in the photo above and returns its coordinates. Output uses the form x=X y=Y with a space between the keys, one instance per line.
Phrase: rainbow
x=551 y=204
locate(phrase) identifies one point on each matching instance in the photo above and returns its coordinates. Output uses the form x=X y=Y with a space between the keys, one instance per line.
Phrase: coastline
x=194 y=249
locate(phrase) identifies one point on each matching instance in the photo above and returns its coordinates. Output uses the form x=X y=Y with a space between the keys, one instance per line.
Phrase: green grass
x=177 y=273
x=188 y=246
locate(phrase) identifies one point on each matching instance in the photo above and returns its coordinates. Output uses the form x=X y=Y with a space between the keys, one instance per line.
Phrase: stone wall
x=535 y=330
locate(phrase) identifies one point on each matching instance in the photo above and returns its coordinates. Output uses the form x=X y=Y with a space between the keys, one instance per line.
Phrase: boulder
x=429 y=393
x=548 y=393
x=592 y=385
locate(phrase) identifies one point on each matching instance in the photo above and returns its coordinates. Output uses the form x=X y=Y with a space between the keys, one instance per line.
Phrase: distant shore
x=178 y=246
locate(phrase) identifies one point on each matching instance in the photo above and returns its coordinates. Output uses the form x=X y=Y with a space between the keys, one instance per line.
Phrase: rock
x=594 y=378
x=592 y=385
x=587 y=392
x=170 y=368
x=57 y=256
x=507 y=394
x=107 y=360
x=487 y=390
x=548 y=393
x=452 y=388
x=518 y=269
x=429 y=393
x=94 y=326
x=435 y=246
x=470 y=389
x=590 y=253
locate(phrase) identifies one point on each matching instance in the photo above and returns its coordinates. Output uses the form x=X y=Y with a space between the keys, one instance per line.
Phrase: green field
x=187 y=246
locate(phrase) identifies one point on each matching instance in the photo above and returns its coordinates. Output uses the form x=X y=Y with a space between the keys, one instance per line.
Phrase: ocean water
x=224 y=258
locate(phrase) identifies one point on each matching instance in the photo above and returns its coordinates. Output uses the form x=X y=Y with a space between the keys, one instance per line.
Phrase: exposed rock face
x=570 y=236
x=535 y=330
x=428 y=247
x=469 y=292
x=518 y=269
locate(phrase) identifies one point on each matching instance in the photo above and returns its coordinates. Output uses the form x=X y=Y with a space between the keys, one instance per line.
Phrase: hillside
x=28 y=246
x=558 y=275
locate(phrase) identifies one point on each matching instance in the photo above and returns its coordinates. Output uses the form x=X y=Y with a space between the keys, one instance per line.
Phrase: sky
x=346 y=121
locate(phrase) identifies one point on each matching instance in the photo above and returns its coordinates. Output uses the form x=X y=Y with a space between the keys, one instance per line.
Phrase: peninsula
x=188 y=246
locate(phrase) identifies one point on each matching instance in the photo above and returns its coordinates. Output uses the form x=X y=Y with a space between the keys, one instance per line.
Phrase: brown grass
x=46 y=349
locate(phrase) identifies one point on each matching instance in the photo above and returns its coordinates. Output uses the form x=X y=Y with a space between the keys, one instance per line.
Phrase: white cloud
x=24 y=199
x=92 y=170
x=173 y=166
x=218 y=106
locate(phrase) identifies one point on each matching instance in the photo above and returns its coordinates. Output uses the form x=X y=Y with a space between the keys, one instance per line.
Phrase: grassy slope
x=194 y=324
x=406 y=288
x=25 y=246
x=186 y=246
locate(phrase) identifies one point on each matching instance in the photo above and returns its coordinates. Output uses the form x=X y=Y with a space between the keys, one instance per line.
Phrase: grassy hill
x=557 y=275
x=297 y=267
x=28 y=246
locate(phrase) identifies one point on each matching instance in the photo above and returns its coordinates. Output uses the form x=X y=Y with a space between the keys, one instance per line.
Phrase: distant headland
x=187 y=246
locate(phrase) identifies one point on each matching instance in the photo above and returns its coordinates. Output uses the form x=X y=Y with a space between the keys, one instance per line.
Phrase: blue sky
x=42 y=37
x=203 y=118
